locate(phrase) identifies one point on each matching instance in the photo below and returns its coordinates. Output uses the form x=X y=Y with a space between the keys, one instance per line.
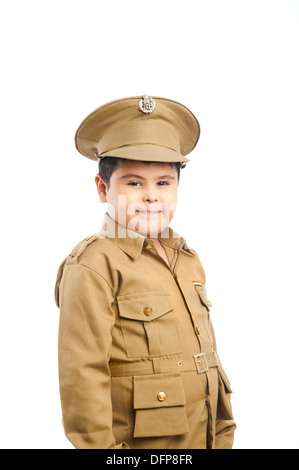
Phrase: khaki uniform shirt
x=138 y=365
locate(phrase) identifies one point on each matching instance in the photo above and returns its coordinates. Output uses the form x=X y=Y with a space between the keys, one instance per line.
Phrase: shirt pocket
x=159 y=403
x=148 y=324
x=224 y=408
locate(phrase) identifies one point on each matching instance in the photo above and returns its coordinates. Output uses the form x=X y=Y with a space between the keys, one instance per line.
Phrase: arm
x=225 y=425
x=84 y=343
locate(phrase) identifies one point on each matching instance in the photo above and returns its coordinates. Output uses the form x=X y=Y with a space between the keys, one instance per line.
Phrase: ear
x=101 y=188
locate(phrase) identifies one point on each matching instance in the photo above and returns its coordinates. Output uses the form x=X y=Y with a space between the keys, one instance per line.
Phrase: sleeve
x=84 y=344
x=225 y=428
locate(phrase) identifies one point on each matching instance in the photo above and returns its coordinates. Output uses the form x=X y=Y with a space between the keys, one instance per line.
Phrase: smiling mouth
x=149 y=213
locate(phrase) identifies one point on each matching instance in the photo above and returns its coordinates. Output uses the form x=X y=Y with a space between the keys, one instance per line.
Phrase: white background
x=234 y=63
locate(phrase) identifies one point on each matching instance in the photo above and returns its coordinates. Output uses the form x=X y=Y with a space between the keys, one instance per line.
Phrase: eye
x=163 y=183
x=133 y=183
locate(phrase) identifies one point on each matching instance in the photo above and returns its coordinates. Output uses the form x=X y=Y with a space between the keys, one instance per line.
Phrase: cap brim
x=148 y=152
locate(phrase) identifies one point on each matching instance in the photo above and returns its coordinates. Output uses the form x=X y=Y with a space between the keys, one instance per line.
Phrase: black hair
x=107 y=165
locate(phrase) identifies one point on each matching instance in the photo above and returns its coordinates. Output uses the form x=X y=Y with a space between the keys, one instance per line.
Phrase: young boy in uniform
x=138 y=366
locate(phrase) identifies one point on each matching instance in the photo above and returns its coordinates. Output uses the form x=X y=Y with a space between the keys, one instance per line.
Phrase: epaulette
x=72 y=258
x=81 y=247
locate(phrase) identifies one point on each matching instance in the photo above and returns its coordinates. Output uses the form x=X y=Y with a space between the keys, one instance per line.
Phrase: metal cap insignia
x=146 y=104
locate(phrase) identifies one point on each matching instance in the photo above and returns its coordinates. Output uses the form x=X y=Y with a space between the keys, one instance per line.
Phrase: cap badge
x=146 y=104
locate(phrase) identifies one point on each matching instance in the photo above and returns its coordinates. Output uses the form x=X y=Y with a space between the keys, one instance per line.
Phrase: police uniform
x=138 y=364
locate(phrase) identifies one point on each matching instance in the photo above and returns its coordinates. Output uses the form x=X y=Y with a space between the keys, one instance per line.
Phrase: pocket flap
x=158 y=390
x=201 y=290
x=144 y=306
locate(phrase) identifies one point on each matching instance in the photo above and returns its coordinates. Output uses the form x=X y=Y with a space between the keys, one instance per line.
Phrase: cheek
x=171 y=201
x=171 y=196
x=127 y=202
x=120 y=197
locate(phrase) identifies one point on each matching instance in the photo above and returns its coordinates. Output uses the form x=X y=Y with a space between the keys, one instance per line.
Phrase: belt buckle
x=201 y=363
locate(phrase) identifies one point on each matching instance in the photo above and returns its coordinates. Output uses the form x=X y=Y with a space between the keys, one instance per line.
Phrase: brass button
x=147 y=310
x=197 y=330
x=209 y=303
x=148 y=247
x=161 y=396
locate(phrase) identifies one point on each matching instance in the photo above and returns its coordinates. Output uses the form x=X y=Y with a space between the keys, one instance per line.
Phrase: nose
x=149 y=193
x=150 y=197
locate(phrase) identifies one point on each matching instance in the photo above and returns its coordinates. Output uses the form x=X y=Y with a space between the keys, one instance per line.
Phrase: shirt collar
x=132 y=242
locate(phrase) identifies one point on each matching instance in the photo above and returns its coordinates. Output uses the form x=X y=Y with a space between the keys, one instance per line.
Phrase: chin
x=149 y=227
x=149 y=230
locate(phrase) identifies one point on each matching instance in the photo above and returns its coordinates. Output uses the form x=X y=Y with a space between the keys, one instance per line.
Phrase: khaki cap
x=139 y=128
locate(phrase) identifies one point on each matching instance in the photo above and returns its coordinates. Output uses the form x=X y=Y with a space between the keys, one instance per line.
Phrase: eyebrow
x=131 y=175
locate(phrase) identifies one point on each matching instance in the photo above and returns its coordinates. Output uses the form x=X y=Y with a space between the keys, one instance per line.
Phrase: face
x=141 y=197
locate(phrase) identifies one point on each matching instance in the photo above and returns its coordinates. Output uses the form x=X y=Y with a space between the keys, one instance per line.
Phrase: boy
x=138 y=366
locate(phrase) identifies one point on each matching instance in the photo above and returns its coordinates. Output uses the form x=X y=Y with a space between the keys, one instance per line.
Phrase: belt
x=201 y=363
